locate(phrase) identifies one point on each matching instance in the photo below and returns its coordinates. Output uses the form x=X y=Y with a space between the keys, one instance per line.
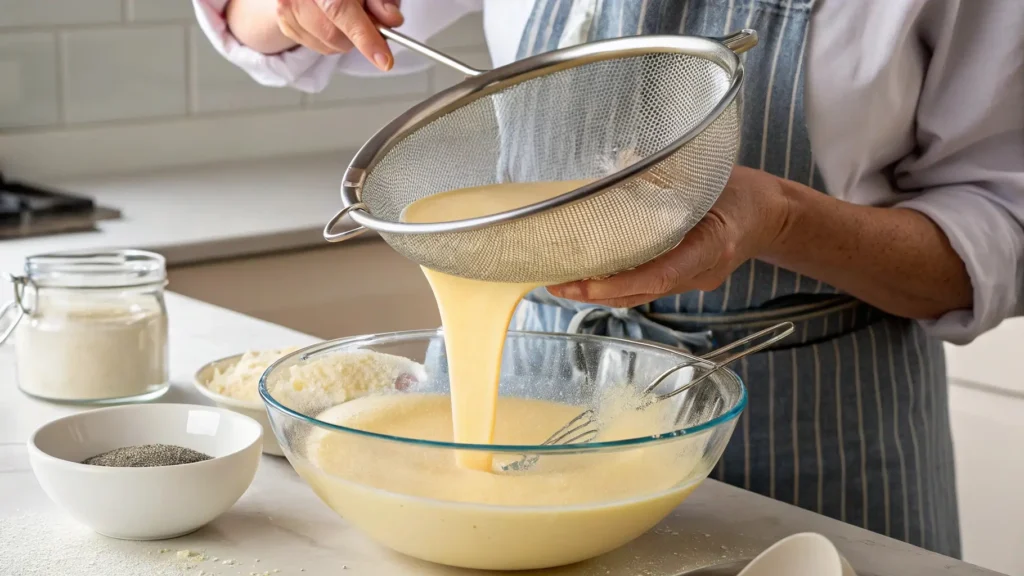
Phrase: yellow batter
x=476 y=314
x=453 y=508
x=567 y=508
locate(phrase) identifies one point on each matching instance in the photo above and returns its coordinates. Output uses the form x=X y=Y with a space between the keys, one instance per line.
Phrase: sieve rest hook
x=331 y=236
x=739 y=42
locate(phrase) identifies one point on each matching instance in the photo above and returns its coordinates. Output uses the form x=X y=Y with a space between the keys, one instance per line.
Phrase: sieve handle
x=331 y=236
x=427 y=51
x=740 y=42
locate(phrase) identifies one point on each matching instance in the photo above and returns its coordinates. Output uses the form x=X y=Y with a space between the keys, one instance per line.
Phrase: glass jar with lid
x=90 y=327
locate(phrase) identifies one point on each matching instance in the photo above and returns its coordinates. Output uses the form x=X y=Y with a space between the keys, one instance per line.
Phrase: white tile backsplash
x=468 y=32
x=102 y=86
x=15 y=13
x=219 y=86
x=445 y=77
x=124 y=74
x=159 y=10
x=28 y=80
x=385 y=86
x=106 y=148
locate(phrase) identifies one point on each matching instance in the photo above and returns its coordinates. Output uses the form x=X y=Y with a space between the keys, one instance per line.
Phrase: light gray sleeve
x=969 y=164
x=304 y=69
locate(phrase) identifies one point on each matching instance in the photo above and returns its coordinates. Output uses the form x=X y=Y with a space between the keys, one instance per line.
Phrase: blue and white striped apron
x=849 y=417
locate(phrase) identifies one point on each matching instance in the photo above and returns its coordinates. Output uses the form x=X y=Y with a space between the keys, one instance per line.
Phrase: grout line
x=981 y=387
x=109 y=25
x=411 y=99
x=241 y=162
x=127 y=10
x=191 y=73
x=62 y=98
x=465 y=48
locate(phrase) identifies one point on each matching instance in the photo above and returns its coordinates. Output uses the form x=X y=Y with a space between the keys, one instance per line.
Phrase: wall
x=104 y=86
x=360 y=287
x=986 y=400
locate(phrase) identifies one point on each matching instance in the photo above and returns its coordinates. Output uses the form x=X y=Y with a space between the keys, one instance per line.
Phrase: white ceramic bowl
x=255 y=410
x=146 y=503
x=805 y=554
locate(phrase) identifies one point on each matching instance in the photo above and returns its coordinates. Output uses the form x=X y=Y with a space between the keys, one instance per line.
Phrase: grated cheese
x=324 y=381
x=333 y=379
x=241 y=381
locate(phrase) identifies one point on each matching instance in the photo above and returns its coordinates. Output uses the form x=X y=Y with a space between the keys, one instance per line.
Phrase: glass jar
x=90 y=327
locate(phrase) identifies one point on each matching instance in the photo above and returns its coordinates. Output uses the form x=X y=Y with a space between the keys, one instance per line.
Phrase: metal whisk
x=580 y=429
x=652 y=120
x=586 y=426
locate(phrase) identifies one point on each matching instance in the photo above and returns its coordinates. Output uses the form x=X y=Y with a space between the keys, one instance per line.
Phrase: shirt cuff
x=309 y=71
x=300 y=68
x=990 y=241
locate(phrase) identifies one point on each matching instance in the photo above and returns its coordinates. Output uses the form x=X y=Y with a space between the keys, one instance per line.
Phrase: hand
x=744 y=223
x=326 y=26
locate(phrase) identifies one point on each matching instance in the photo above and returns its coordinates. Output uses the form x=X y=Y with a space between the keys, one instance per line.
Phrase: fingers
x=336 y=26
x=627 y=302
x=350 y=17
x=690 y=265
x=649 y=280
x=305 y=22
x=295 y=32
x=386 y=12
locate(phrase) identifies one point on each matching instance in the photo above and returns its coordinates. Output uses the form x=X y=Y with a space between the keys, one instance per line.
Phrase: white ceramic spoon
x=806 y=554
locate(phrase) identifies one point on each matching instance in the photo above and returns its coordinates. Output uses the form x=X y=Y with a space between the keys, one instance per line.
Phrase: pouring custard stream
x=475 y=314
x=423 y=502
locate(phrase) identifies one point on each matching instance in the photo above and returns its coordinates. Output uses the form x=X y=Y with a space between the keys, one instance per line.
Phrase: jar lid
x=109 y=269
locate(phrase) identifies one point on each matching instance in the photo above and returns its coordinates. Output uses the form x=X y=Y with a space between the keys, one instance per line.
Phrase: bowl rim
x=203 y=389
x=313 y=349
x=35 y=450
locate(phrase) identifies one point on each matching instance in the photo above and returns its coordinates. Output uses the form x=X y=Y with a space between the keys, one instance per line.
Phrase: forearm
x=894 y=259
x=254 y=24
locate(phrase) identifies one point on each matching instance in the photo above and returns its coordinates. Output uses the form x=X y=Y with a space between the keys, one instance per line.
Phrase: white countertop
x=203 y=213
x=230 y=211
x=280 y=522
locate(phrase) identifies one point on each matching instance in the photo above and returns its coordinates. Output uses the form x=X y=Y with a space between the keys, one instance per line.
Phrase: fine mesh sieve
x=652 y=118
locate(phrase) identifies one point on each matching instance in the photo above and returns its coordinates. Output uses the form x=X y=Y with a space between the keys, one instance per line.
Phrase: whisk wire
x=584 y=427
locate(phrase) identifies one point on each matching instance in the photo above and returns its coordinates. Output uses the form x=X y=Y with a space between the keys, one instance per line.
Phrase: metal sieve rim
x=720 y=51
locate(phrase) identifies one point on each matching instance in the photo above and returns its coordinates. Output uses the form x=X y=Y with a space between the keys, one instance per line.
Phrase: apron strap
x=821 y=320
x=622 y=323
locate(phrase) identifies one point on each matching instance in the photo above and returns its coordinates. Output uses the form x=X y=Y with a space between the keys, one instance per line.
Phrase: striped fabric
x=848 y=419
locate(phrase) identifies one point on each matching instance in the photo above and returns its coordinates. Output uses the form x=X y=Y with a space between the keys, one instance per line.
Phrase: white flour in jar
x=74 y=351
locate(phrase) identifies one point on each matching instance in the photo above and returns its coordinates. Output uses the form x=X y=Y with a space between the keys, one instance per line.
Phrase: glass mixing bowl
x=572 y=503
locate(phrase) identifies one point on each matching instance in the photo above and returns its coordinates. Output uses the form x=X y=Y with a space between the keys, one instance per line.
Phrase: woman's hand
x=326 y=26
x=895 y=259
x=744 y=223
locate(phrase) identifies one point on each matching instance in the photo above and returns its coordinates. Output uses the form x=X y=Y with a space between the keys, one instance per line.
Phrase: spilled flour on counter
x=669 y=550
x=43 y=545
x=53 y=544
